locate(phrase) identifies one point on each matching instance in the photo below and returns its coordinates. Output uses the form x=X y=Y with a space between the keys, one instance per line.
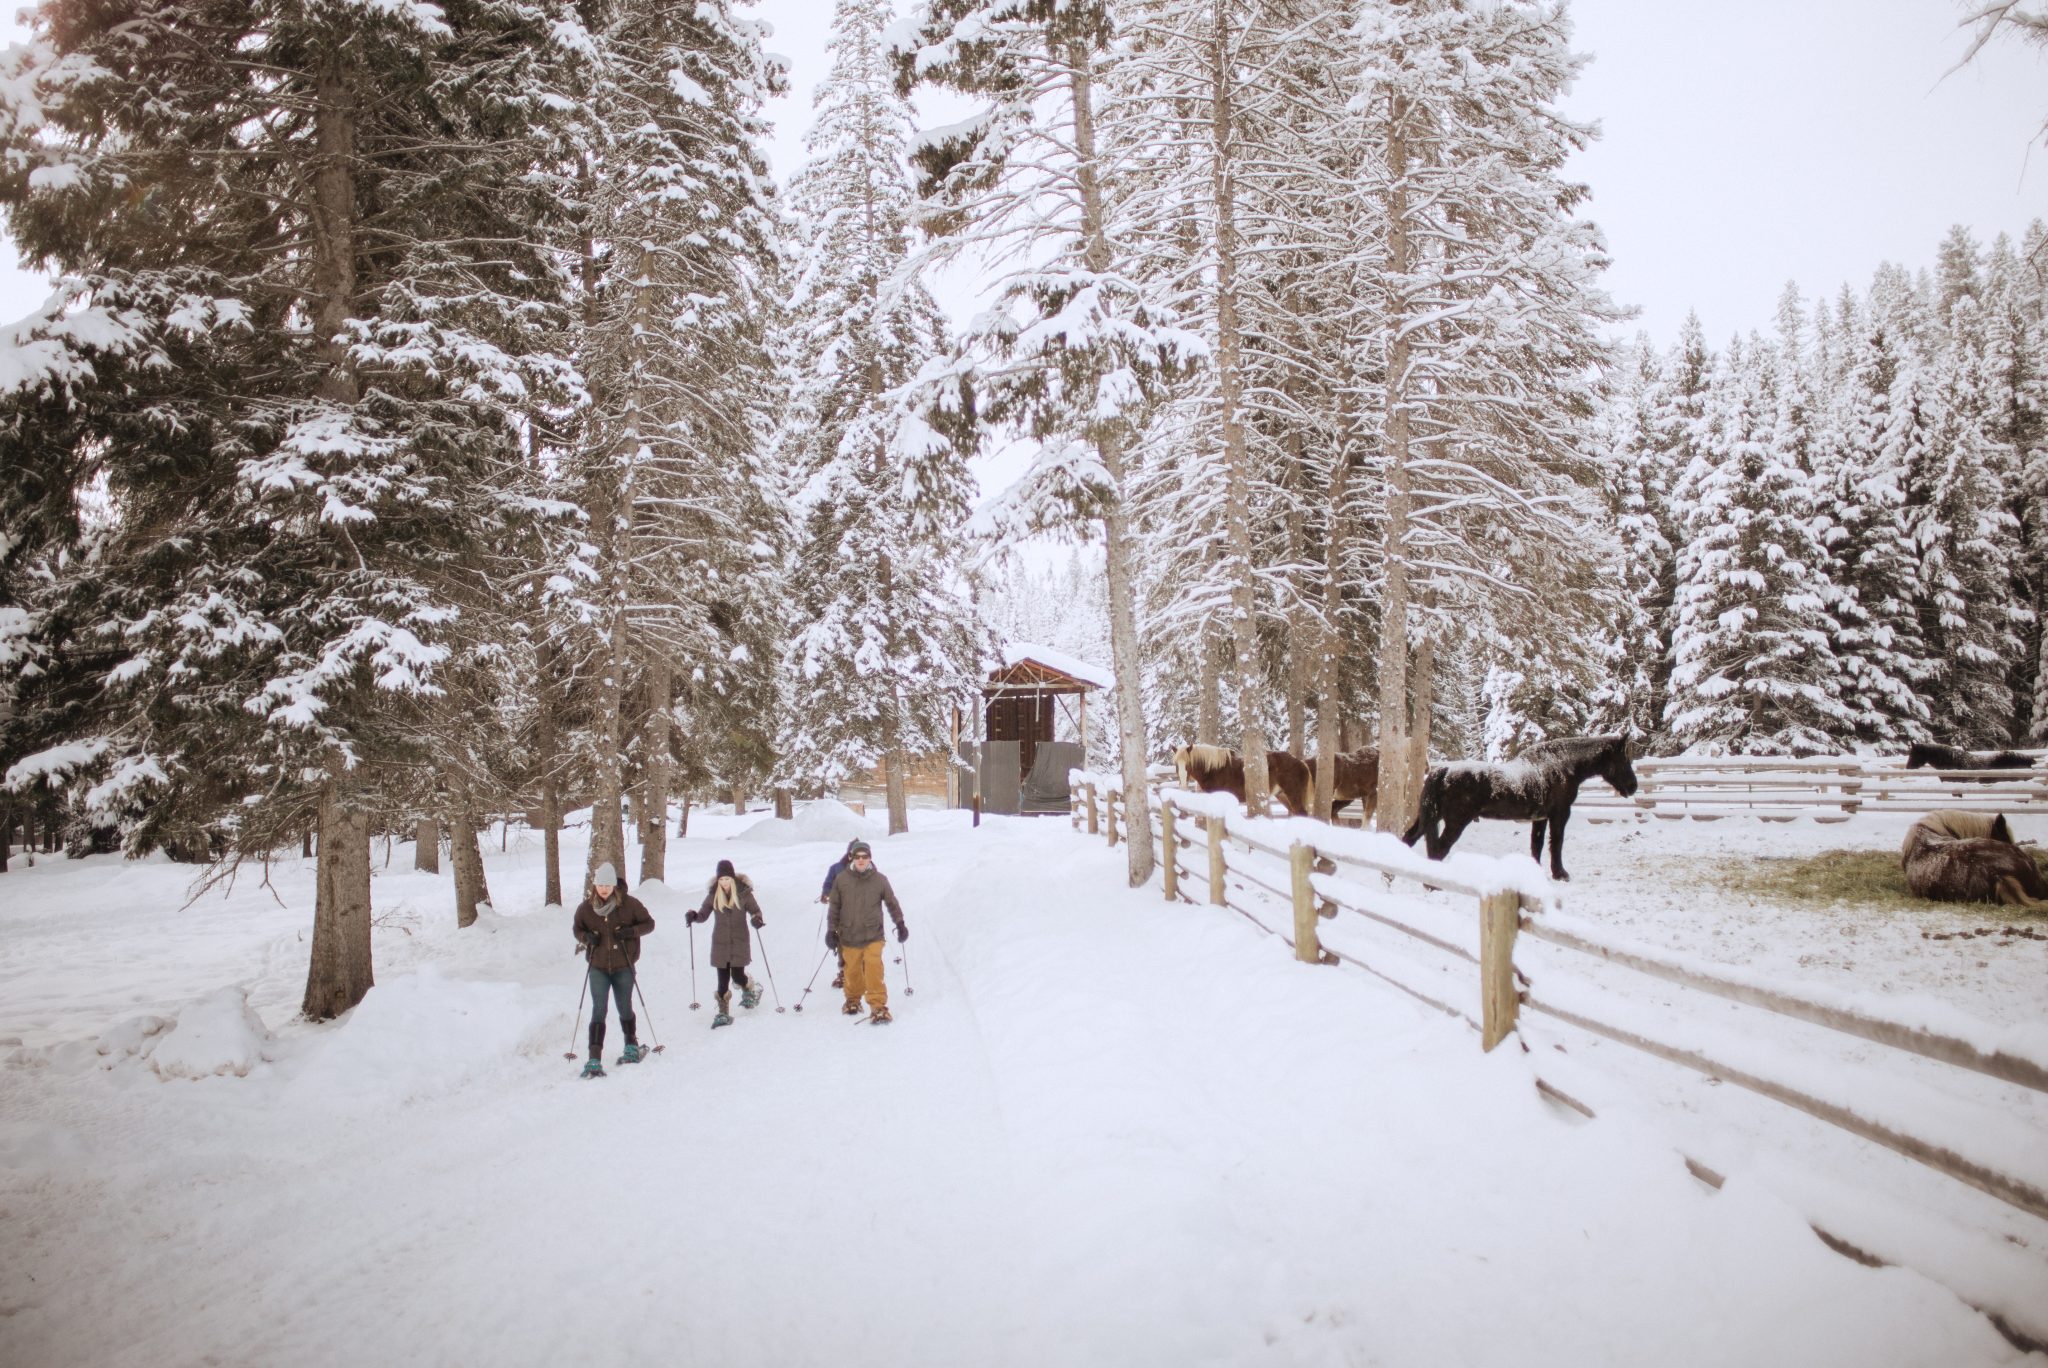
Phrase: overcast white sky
x=1745 y=143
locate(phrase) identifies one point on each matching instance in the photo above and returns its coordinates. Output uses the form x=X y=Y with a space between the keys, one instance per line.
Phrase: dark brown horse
x=1212 y=769
x=1357 y=776
x=1537 y=786
x=1928 y=755
x=1970 y=857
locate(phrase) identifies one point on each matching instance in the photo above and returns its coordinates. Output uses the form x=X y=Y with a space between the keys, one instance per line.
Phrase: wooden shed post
x=1094 y=819
x=1301 y=861
x=1169 y=868
x=1499 y=919
x=1215 y=859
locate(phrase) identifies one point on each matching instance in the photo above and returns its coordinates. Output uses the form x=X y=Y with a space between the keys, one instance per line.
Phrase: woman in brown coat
x=608 y=927
x=731 y=899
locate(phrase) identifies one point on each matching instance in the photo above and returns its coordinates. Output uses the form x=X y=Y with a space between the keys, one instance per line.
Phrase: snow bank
x=219 y=1034
x=825 y=819
x=424 y=1033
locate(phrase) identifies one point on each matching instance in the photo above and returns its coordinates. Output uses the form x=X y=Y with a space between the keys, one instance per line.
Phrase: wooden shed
x=1023 y=705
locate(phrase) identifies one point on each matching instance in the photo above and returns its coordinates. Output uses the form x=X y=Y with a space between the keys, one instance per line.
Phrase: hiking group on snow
x=609 y=924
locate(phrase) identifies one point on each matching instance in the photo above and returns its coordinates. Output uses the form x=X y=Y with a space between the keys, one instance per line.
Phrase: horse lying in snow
x=1212 y=769
x=1537 y=786
x=1970 y=857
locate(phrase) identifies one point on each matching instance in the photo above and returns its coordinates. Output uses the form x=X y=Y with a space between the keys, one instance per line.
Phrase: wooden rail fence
x=1251 y=873
x=1824 y=788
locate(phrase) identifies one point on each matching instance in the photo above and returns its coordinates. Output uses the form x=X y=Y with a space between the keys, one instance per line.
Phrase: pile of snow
x=218 y=1034
x=425 y=1033
x=826 y=819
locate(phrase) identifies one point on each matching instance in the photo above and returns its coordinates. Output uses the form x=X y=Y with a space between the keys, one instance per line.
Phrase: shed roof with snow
x=1030 y=668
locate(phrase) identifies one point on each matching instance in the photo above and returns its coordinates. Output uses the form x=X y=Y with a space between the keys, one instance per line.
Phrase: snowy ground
x=1103 y=1130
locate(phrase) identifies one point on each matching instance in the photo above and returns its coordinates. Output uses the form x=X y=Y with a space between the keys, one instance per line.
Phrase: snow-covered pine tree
x=1488 y=296
x=1071 y=351
x=888 y=640
x=680 y=243
x=1753 y=665
x=1639 y=502
x=295 y=369
x=2016 y=409
x=1968 y=544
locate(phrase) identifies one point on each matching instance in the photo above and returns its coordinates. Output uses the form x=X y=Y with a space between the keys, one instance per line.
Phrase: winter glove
x=696 y=917
x=831 y=940
x=902 y=933
x=758 y=923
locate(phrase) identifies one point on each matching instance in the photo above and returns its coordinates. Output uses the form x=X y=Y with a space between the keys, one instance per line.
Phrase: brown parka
x=611 y=941
x=856 y=906
x=731 y=947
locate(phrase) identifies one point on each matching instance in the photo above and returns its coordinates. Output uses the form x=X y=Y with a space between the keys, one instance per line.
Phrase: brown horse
x=1970 y=857
x=1212 y=769
x=1357 y=776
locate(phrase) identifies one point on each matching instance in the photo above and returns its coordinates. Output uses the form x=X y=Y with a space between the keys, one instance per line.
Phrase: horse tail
x=1427 y=808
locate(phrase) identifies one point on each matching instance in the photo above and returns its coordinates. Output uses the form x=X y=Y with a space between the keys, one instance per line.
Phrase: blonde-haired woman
x=731 y=898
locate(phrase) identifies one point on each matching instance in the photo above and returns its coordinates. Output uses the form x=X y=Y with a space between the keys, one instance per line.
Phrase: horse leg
x=1557 y=822
x=1536 y=840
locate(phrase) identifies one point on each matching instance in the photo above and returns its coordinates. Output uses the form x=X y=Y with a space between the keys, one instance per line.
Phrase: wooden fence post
x=1215 y=859
x=1301 y=860
x=1169 y=868
x=1109 y=817
x=1499 y=918
x=1094 y=824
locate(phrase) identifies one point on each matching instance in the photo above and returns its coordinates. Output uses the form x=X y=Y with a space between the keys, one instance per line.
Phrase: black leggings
x=728 y=977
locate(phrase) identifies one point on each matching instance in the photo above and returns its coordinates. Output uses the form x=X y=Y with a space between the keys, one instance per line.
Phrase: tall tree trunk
x=1240 y=573
x=785 y=805
x=1209 y=694
x=683 y=821
x=1125 y=650
x=654 y=773
x=1329 y=707
x=471 y=891
x=548 y=760
x=739 y=798
x=426 y=845
x=1396 y=784
x=894 y=763
x=338 y=973
x=1423 y=708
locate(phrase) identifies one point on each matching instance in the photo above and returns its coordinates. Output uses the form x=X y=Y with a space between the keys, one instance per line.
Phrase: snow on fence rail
x=1825 y=788
x=1310 y=865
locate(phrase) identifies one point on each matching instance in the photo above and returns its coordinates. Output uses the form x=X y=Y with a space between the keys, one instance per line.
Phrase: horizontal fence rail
x=1254 y=865
x=1825 y=789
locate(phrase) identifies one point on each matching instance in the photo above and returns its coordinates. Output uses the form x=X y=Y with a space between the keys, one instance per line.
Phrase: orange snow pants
x=863 y=965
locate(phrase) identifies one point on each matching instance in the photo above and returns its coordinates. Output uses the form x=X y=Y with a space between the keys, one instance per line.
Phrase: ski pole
x=904 y=946
x=814 y=977
x=652 y=1034
x=570 y=1053
x=694 y=1004
x=762 y=941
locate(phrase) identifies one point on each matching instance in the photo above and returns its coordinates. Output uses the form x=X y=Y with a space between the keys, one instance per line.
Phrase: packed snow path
x=1103 y=1130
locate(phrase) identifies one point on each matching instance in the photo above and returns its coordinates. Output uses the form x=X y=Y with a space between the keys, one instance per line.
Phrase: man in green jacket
x=854 y=928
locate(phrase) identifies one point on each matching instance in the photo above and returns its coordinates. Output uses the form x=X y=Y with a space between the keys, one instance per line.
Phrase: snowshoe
x=850 y=1009
x=593 y=1068
x=750 y=996
x=881 y=1017
x=634 y=1053
x=722 y=1019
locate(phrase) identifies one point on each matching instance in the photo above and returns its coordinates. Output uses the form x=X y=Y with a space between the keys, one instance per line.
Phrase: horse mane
x=1210 y=757
x=1572 y=748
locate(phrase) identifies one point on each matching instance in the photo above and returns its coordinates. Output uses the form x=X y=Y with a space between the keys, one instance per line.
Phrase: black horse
x=1538 y=786
x=1928 y=755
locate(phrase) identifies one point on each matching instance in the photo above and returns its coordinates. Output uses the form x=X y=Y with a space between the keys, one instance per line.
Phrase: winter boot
x=839 y=979
x=634 y=1053
x=724 y=1017
x=595 y=1067
x=750 y=996
x=851 y=1008
x=881 y=1017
